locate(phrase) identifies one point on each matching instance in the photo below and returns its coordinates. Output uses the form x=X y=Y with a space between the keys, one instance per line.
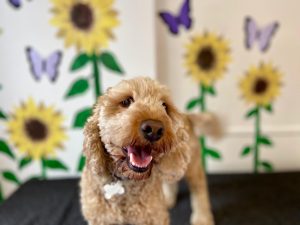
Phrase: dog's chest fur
x=134 y=201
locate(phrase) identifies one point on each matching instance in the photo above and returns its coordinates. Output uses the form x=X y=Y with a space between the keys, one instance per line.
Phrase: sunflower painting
x=8 y=175
x=1 y=195
x=87 y=25
x=37 y=132
x=260 y=86
x=3 y=150
x=206 y=60
x=6 y=151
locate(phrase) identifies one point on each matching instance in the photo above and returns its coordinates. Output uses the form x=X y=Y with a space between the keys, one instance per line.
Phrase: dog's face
x=138 y=124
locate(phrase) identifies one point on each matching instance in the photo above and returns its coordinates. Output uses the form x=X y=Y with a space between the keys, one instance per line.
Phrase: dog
x=137 y=146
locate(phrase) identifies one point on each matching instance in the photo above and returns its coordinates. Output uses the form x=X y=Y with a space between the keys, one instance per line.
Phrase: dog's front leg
x=173 y=165
x=170 y=191
x=164 y=219
x=97 y=223
x=196 y=178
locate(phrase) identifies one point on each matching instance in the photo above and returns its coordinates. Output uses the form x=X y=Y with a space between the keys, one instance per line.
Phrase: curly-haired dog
x=135 y=140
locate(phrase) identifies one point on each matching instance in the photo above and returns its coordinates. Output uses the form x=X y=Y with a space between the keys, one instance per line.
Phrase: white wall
x=144 y=47
x=29 y=26
x=227 y=18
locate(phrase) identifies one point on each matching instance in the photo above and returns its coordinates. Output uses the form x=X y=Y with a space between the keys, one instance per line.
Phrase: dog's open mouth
x=138 y=158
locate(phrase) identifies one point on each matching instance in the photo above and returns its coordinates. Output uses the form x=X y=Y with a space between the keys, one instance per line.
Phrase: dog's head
x=133 y=125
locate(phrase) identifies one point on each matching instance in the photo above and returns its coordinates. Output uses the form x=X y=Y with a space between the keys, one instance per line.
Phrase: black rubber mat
x=266 y=199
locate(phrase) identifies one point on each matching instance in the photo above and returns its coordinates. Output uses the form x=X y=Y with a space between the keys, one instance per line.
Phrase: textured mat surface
x=269 y=199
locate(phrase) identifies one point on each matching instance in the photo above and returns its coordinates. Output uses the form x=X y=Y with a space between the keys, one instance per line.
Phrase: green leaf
x=10 y=176
x=34 y=177
x=213 y=153
x=192 y=103
x=211 y=90
x=251 y=113
x=4 y=148
x=268 y=108
x=81 y=117
x=78 y=87
x=264 y=140
x=2 y=115
x=110 y=62
x=81 y=163
x=246 y=150
x=1 y=195
x=80 y=61
x=24 y=162
x=266 y=166
x=55 y=164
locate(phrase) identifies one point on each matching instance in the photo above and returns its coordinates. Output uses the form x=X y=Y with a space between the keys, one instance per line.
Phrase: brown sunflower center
x=206 y=58
x=82 y=16
x=260 y=86
x=36 y=129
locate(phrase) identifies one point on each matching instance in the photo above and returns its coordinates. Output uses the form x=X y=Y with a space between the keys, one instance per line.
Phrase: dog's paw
x=170 y=192
x=202 y=220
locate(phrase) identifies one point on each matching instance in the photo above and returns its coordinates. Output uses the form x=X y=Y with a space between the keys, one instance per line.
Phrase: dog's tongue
x=139 y=157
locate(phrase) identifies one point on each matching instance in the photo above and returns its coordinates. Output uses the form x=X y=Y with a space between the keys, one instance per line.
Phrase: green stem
x=43 y=163
x=202 y=138
x=203 y=149
x=202 y=97
x=257 y=135
x=1 y=195
x=96 y=75
x=98 y=92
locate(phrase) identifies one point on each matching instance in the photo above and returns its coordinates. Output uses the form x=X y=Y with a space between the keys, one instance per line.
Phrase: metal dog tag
x=112 y=189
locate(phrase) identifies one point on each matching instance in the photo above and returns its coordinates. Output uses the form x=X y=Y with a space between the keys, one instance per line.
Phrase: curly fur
x=148 y=194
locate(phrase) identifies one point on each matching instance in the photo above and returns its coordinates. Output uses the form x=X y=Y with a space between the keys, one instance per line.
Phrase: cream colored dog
x=136 y=144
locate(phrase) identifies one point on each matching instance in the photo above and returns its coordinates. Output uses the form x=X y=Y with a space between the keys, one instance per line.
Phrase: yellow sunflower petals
x=261 y=84
x=211 y=67
x=45 y=118
x=87 y=40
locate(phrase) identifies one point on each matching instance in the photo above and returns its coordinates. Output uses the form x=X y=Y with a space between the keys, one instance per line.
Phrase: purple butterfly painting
x=40 y=66
x=262 y=36
x=174 y=21
x=15 y=3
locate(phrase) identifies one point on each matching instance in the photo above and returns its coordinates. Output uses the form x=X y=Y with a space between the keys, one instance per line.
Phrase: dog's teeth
x=133 y=162
x=130 y=158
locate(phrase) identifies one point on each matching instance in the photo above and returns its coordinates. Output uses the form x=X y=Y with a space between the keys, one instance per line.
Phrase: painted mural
x=206 y=59
x=88 y=26
x=35 y=131
x=260 y=86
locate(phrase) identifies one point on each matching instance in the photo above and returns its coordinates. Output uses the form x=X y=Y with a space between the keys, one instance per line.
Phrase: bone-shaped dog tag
x=112 y=189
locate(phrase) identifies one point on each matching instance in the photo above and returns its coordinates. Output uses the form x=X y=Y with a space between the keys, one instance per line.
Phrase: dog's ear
x=97 y=159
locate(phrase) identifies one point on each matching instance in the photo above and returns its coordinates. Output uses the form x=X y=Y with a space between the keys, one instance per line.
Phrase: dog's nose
x=152 y=130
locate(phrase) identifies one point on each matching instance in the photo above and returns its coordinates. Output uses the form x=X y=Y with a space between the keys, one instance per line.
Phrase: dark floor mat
x=267 y=199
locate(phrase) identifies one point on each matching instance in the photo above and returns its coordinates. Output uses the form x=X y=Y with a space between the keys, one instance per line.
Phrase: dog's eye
x=127 y=102
x=165 y=106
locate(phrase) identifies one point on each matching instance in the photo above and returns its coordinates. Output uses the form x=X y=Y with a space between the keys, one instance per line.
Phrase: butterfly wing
x=251 y=32
x=170 y=21
x=184 y=15
x=52 y=64
x=15 y=3
x=266 y=35
x=36 y=63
